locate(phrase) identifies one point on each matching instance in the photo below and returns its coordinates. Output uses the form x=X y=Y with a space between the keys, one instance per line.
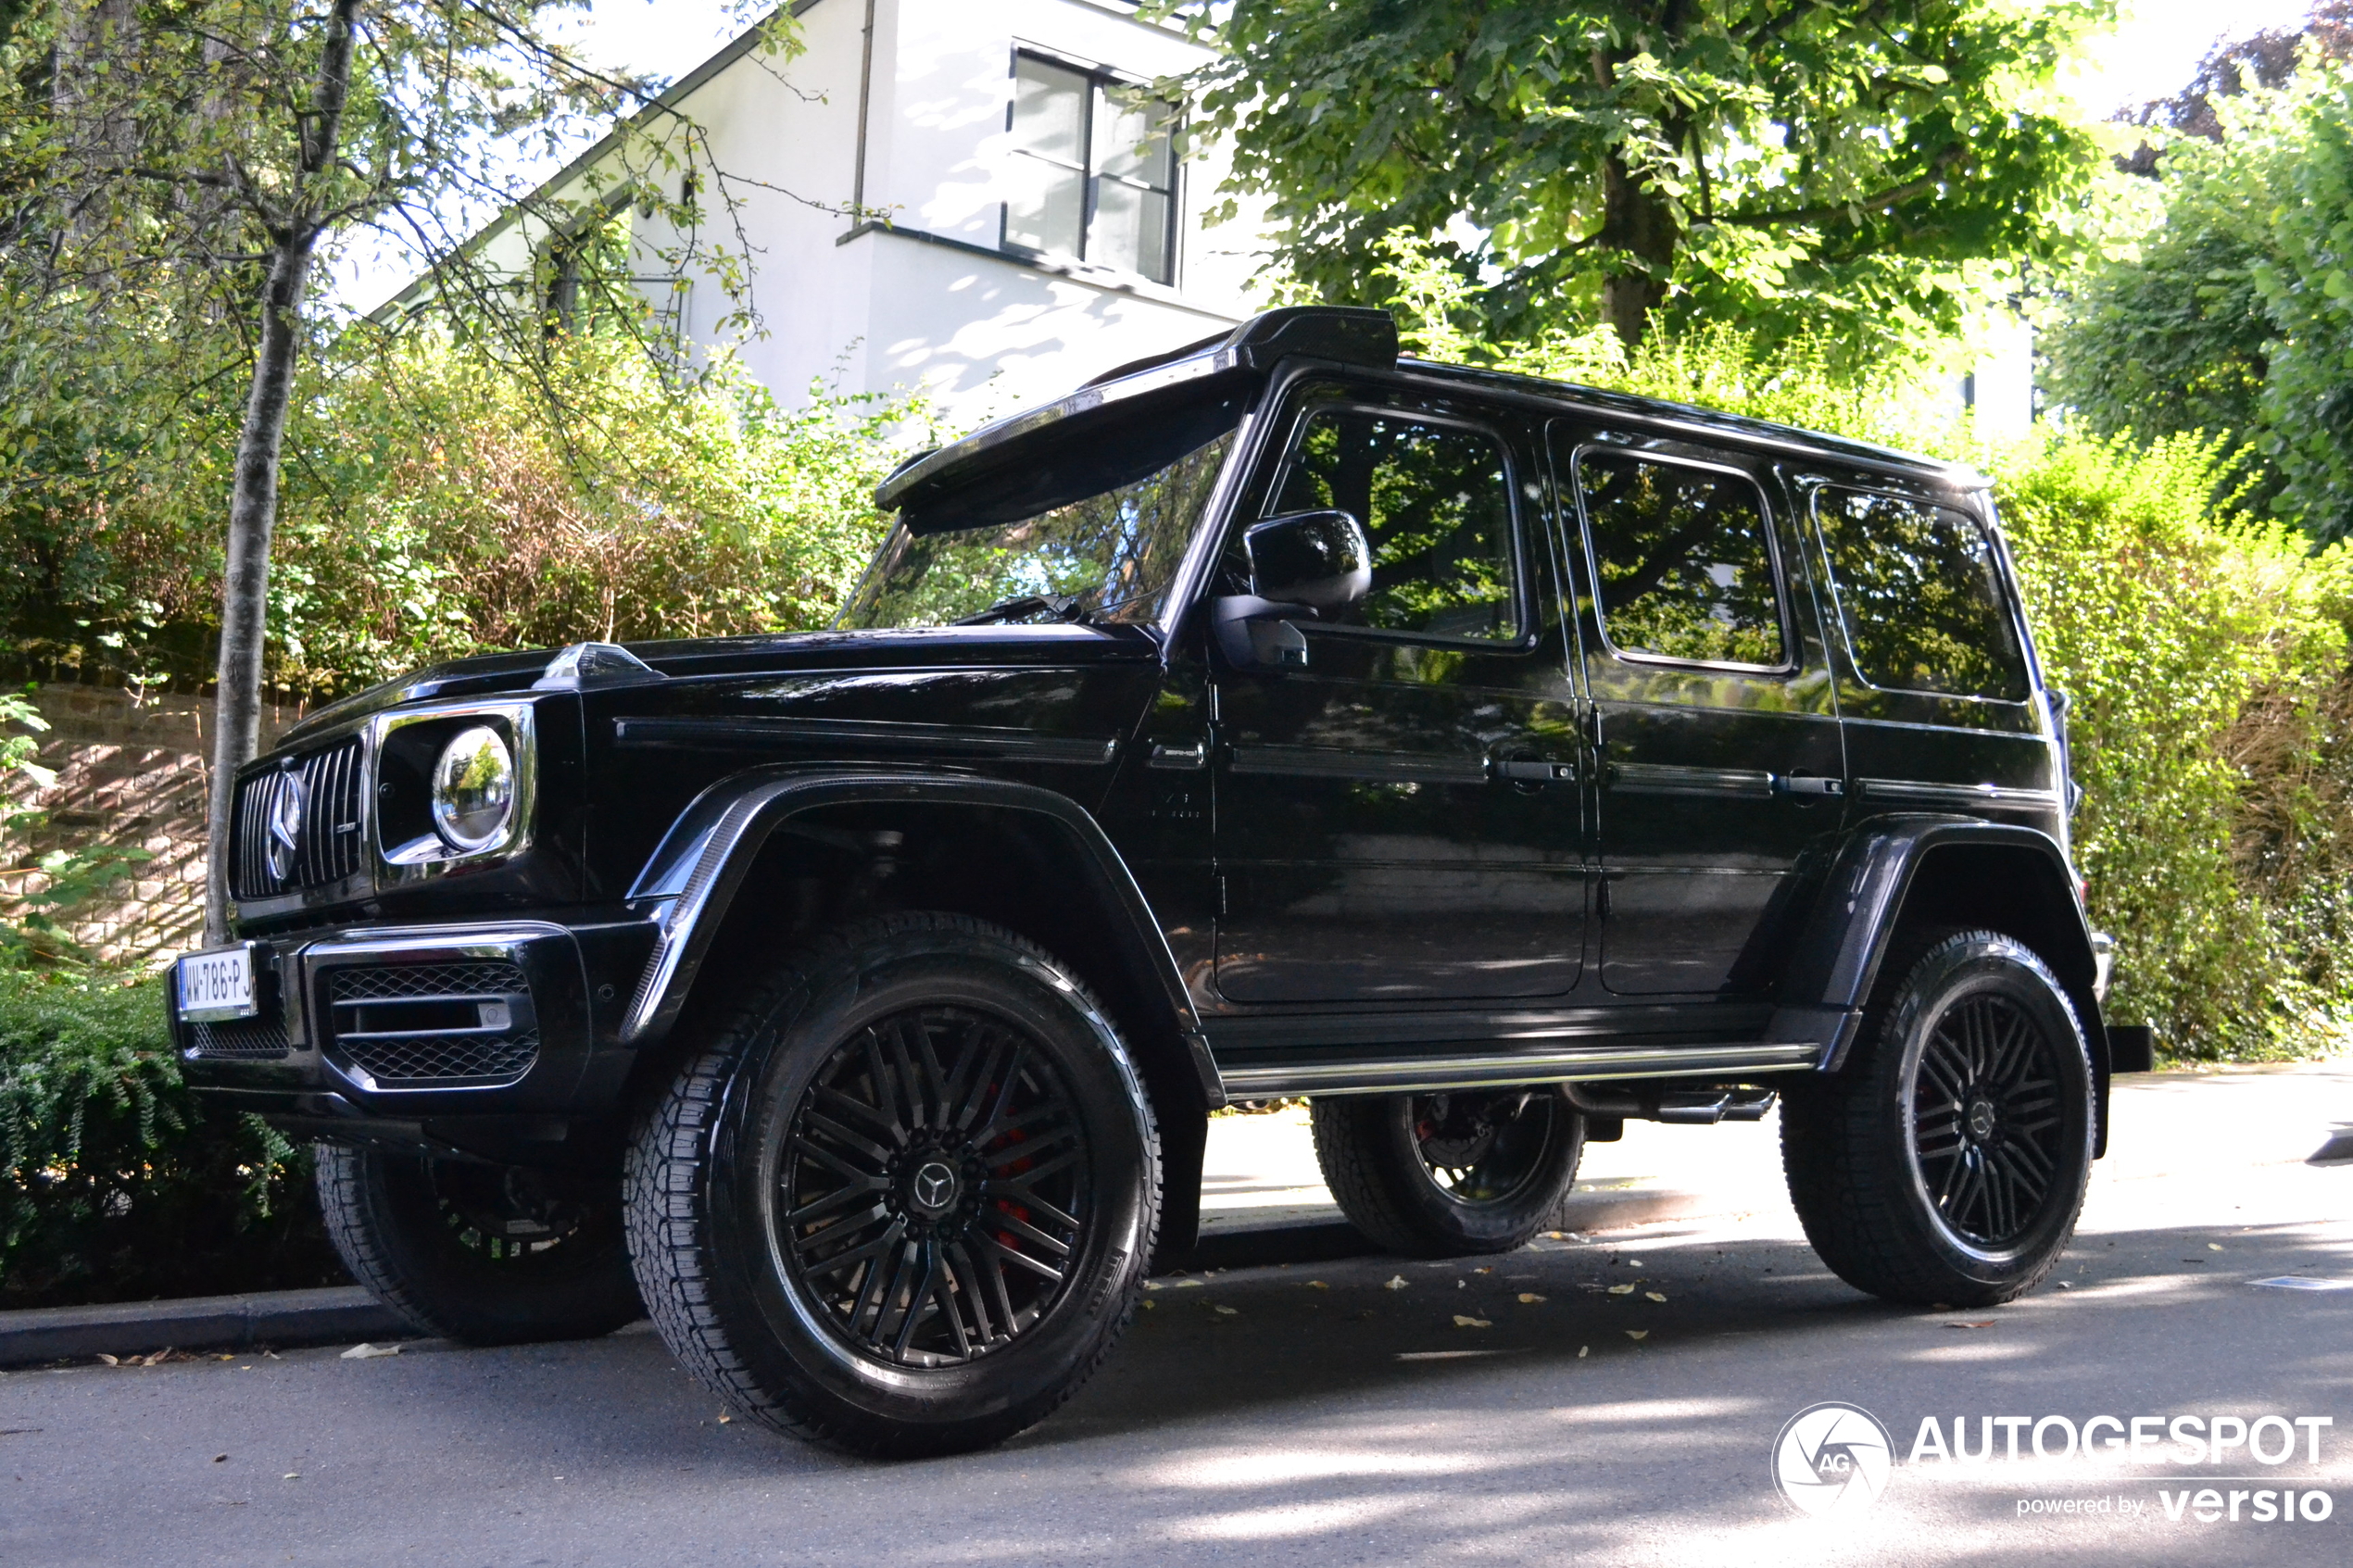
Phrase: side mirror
x=1302 y=566
x=1319 y=559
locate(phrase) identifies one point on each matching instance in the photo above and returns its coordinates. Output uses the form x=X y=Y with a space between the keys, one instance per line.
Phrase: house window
x=1094 y=173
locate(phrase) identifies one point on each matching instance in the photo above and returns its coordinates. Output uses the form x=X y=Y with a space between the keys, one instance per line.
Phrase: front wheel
x=1946 y=1164
x=902 y=1200
x=1449 y=1174
x=480 y=1253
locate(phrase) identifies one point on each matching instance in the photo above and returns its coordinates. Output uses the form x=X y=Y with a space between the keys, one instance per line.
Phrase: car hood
x=504 y=674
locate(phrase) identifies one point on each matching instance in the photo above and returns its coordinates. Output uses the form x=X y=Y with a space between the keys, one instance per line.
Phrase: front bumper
x=480 y=1036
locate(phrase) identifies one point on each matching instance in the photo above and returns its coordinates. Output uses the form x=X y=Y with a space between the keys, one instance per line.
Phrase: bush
x=114 y=1186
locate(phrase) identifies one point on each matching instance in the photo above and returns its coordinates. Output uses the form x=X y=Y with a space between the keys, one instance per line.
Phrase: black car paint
x=1548 y=844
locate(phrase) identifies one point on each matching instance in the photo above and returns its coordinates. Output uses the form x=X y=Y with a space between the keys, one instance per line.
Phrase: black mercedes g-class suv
x=1486 y=760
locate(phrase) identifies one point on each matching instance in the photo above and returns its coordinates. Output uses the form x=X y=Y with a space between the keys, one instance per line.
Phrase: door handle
x=1518 y=770
x=1809 y=786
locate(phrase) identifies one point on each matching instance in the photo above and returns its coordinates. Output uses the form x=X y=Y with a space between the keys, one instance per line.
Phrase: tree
x=2307 y=289
x=1838 y=162
x=178 y=164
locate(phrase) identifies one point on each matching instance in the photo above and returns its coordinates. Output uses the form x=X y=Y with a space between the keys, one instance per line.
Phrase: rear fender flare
x=694 y=875
x=1881 y=872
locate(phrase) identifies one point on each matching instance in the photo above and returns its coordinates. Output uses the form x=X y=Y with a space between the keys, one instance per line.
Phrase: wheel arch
x=769 y=855
x=1895 y=874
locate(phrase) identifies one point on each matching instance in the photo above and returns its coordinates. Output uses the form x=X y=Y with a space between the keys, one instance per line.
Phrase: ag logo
x=1832 y=1458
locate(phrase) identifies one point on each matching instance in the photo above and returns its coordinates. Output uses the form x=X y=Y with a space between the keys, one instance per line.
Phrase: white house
x=1036 y=226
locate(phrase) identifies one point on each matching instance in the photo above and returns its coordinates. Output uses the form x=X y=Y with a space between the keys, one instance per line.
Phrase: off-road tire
x=722 y=1264
x=426 y=1238
x=1373 y=1156
x=1865 y=1150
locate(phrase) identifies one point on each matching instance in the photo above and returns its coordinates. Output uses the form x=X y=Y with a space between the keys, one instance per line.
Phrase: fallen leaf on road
x=1580 y=1351
x=1186 y=1283
x=156 y=1358
x=1528 y=1298
x=221 y=1459
x=1459 y=1286
x=1148 y=1306
x=1489 y=1270
x=1987 y=1323
x=1654 y=1295
x=724 y=1420
x=1396 y=1281
x=1462 y=1321
x=1638 y=1334
x=1317 y=1285
x=2214 y=1247
x=1621 y=1290
x=108 y=1360
x=1227 y=1312
x=365 y=1352
x=1153 y=1284
x=291 y=1475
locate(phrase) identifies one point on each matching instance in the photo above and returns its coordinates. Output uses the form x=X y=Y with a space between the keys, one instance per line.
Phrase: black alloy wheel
x=481 y=1253
x=934 y=1188
x=1451 y=1173
x=902 y=1199
x=1945 y=1163
x=1486 y=1148
x=1987 y=1133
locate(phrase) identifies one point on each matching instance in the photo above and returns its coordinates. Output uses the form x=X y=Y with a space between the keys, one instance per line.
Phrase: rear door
x=1715 y=731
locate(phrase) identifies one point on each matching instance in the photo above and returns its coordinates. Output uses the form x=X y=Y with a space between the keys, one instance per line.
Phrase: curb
x=199 y=1322
x=346 y=1313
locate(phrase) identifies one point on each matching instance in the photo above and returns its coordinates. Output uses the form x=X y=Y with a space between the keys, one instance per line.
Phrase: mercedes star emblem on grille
x=286 y=809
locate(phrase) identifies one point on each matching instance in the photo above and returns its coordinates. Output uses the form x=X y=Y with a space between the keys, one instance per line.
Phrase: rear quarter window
x=1919 y=595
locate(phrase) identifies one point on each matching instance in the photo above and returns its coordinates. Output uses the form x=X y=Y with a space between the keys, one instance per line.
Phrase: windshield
x=1107 y=558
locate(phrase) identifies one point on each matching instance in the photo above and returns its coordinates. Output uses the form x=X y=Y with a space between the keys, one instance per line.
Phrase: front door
x=1718 y=738
x=1399 y=823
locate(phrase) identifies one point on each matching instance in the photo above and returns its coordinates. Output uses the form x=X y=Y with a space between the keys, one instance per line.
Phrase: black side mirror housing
x=1304 y=566
x=1320 y=560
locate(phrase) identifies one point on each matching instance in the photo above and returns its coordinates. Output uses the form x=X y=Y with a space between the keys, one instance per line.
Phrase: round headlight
x=474 y=789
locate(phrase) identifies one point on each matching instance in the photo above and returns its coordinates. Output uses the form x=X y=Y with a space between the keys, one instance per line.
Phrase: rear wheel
x=1443 y=1175
x=903 y=1199
x=486 y=1254
x=1946 y=1164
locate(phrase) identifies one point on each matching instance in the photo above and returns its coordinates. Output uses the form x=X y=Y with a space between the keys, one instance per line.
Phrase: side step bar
x=1414 y=1074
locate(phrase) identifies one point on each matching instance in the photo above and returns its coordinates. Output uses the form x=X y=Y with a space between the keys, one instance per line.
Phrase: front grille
x=327 y=845
x=260 y=1038
x=411 y=1025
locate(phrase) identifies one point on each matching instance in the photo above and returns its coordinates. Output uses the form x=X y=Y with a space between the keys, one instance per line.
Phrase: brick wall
x=130 y=771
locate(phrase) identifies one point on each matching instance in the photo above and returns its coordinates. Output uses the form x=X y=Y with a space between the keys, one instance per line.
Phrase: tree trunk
x=245 y=588
x=1639 y=235
x=253 y=505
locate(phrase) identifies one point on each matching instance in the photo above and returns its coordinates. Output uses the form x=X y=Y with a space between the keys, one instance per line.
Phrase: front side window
x=1682 y=561
x=1094 y=170
x=1106 y=557
x=1435 y=504
x=1919 y=595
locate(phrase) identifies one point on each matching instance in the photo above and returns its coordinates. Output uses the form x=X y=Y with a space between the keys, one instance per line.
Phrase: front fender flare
x=697 y=870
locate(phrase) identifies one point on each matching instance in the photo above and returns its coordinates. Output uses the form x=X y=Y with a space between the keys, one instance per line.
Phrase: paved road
x=1325 y=1417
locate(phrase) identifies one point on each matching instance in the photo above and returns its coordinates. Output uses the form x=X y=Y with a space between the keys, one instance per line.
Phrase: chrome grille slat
x=334 y=781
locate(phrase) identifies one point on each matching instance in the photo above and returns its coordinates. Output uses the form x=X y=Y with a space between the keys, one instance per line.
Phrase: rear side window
x=1682 y=564
x=1920 y=597
x=1435 y=503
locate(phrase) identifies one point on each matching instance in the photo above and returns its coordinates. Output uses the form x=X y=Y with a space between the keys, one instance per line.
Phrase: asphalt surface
x=1316 y=1413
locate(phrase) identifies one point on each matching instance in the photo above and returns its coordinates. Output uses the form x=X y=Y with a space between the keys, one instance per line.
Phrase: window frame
x=2013 y=611
x=1305 y=407
x=1791 y=643
x=1099 y=78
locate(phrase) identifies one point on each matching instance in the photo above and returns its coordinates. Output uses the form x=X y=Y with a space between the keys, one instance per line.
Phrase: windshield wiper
x=1064 y=608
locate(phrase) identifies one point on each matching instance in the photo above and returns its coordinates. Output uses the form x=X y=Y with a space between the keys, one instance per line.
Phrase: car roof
x=1365 y=340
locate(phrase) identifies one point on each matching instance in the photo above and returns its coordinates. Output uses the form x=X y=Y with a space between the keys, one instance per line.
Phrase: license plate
x=218 y=985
